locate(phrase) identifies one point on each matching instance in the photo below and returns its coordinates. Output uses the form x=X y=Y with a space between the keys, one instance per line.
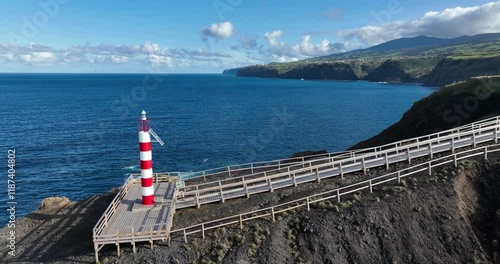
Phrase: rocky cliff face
x=231 y=71
x=449 y=107
x=390 y=71
x=431 y=71
x=316 y=71
x=324 y=71
x=258 y=71
x=455 y=70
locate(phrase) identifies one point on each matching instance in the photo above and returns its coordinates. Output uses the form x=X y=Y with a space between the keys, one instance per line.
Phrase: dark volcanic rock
x=449 y=107
x=314 y=71
x=323 y=71
x=389 y=71
x=455 y=70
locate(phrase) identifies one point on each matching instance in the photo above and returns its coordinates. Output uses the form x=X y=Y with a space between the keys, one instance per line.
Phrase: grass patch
x=403 y=183
x=357 y=197
x=346 y=204
x=258 y=236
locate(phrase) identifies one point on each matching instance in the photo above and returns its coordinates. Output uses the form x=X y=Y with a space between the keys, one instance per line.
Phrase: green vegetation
x=292 y=241
x=451 y=106
x=396 y=61
x=258 y=236
x=404 y=184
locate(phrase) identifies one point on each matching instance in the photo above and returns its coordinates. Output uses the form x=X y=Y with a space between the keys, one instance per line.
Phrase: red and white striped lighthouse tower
x=146 y=162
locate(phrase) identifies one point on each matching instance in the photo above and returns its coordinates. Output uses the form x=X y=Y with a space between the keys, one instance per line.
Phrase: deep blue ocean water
x=75 y=135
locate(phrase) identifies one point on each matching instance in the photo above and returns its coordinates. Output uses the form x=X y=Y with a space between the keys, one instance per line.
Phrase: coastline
x=45 y=234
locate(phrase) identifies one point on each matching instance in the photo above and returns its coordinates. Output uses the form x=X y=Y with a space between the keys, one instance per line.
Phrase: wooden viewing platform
x=126 y=220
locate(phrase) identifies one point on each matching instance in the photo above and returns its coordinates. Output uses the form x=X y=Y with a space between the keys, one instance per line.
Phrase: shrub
x=403 y=183
x=346 y=204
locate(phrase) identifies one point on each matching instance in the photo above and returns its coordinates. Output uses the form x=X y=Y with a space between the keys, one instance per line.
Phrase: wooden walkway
x=220 y=191
x=127 y=221
x=420 y=169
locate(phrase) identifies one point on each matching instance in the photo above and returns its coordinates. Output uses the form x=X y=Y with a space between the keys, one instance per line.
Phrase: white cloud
x=218 y=31
x=160 y=60
x=273 y=40
x=119 y=59
x=132 y=56
x=246 y=42
x=38 y=57
x=305 y=48
x=451 y=22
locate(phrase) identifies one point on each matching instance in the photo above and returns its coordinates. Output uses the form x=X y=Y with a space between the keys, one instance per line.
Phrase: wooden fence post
x=430 y=150
x=371 y=189
x=241 y=222
x=455 y=160
x=399 y=177
x=452 y=145
x=409 y=155
x=246 y=190
x=272 y=214
x=386 y=161
x=307 y=202
x=341 y=171
x=364 y=165
x=496 y=135
x=338 y=195
x=486 y=152
x=317 y=175
x=430 y=168
x=203 y=231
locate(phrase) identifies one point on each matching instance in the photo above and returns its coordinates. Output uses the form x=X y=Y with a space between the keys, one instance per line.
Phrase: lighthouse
x=146 y=156
x=146 y=162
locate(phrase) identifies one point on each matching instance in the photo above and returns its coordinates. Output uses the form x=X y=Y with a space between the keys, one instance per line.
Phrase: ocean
x=75 y=135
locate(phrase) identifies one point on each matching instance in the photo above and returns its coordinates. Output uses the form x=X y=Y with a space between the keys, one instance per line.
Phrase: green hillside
x=421 y=59
x=451 y=106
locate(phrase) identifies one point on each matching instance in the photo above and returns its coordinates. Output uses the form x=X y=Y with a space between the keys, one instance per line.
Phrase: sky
x=116 y=36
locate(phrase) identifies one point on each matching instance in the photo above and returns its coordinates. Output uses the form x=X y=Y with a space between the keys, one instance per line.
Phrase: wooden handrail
x=329 y=164
x=367 y=184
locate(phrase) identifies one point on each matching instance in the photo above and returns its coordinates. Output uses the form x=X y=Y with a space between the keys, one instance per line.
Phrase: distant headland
x=427 y=60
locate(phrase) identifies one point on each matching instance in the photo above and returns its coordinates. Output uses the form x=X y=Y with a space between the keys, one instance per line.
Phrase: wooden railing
x=230 y=170
x=103 y=221
x=407 y=146
x=335 y=194
x=329 y=164
x=273 y=163
x=150 y=232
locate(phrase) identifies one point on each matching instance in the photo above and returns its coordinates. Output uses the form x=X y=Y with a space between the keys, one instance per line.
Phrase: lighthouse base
x=138 y=206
